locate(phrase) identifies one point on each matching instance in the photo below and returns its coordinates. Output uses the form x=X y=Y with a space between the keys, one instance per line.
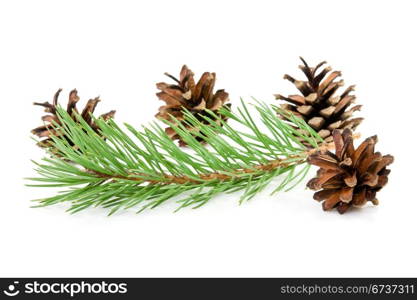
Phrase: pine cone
x=349 y=177
x=196 y=98
x=318 y=105
x=47 y=130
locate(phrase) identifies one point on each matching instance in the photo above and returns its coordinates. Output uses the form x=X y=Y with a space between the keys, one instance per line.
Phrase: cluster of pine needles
x=123 y=167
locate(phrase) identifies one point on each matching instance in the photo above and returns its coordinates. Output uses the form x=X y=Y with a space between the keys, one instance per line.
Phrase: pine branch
x=145 y=167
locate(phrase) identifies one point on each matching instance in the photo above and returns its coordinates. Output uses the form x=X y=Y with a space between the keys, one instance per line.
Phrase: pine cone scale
x=89 y=109
x=219 y=98
x=109 y=115
x=169 y=99
x=175 y=93
x=50 y=118
x=72 y=102
x=42 y=131
x=331 y=201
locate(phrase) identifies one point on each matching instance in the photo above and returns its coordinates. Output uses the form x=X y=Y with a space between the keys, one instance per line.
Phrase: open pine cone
x=349 y=177
x=196 y=98
x=318 y=103
x=47 y=130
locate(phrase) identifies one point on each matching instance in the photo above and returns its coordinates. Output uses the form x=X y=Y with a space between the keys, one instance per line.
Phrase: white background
x=120 y=49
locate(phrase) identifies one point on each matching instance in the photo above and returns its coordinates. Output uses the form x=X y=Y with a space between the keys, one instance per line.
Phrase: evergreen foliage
x=145 y=168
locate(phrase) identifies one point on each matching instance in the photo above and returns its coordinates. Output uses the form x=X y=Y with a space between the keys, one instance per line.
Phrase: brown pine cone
x=349 y=177
x=318 y=104
x=48 y=130
x=196 y=98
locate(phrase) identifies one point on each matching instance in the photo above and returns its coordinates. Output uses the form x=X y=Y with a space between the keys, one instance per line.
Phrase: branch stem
x=267 y=167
